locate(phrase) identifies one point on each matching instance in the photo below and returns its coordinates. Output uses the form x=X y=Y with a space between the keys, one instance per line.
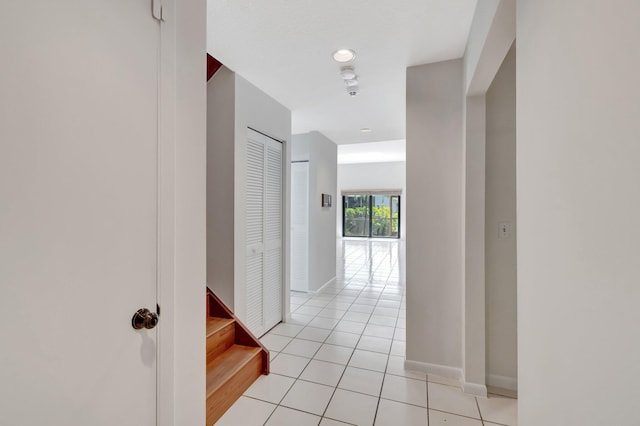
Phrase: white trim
x=489 y=43
x=392 y=192
x=331 y=281
x=286 y=230
x=435 y=369
x=165 y=387
x=474 y=339
x=182 y=274
x=504 y=382
x=474 y=389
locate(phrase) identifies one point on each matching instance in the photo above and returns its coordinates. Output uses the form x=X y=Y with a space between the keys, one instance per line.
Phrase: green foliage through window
x=380 y=212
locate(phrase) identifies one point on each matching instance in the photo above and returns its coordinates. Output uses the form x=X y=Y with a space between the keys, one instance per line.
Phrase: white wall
x=492 y=32
x=446 y=122
x=369 y=176
x=190 y=215
x=473 y=304
x=257 y=110
x=578 y=201
x=43 y=79
x=221 y=101
x=500 y=254
x=234 y=105
x=322 y=154
x=434 y=214
x=300 y=149
x=478 y=33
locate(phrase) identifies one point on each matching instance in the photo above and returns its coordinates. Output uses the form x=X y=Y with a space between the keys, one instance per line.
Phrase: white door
x=263 y=220
x=300 y=226
x=78 y=209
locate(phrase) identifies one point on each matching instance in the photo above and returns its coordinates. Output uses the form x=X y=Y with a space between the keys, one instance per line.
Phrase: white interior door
x=300 y=226
x=78 y=209
x=263 y=220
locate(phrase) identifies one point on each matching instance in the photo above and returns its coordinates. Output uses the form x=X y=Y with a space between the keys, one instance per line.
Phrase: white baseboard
x=474 y=389
x=436 y=369
x=328 y=283
x=504 y=382
x=322 y=287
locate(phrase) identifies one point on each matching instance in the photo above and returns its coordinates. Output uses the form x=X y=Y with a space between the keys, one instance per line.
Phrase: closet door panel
x=254 y=232
x=263 y=232
x=273 y=234
x=272 y=288
x=255 y=313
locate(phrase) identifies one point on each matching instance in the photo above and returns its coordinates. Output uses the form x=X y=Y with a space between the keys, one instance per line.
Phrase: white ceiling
x=372 y=152
x=284 y=47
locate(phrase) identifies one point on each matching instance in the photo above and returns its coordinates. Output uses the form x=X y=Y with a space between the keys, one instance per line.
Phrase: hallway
x=340 y=360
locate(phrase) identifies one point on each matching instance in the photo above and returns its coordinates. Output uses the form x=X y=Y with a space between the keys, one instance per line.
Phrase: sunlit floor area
x=340 y=360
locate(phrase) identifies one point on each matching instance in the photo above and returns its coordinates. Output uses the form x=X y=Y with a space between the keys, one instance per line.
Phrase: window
x=369 y=214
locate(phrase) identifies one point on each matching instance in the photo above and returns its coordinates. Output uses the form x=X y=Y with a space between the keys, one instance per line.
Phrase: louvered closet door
x=263 y=232
x=254 y=230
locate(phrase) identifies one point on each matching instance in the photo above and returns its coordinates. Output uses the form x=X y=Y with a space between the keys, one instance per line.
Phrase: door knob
x=144 y=318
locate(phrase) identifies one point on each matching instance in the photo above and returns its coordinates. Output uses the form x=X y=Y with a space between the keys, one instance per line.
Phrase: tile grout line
x=479 y=411
x=341 y=376
x=306 y=365
x=323 y=342
x=384 y=376
x=427 y=385
x=360 y=287
x=458 y=415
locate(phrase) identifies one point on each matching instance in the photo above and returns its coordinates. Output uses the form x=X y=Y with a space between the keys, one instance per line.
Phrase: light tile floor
x=340 y=360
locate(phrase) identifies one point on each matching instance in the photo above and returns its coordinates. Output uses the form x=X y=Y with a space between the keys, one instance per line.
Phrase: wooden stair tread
x=215 y=324
x=227 y=365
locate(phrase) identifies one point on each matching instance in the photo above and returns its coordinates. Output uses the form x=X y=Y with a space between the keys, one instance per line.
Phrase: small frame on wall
x=326 y=200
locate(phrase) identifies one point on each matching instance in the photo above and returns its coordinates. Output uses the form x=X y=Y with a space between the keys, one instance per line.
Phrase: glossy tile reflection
x=340 y=360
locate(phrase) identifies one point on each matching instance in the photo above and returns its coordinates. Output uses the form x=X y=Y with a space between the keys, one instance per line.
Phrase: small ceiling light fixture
x=350 y=78
x=365 y=130
x=351 y=82
x=348 y=73
x=344 y=55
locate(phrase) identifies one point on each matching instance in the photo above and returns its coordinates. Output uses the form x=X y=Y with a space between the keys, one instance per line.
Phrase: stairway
x=235 y=358
x=212 y=66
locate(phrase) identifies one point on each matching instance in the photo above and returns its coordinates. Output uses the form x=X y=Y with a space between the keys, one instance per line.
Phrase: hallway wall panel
x=434 y=213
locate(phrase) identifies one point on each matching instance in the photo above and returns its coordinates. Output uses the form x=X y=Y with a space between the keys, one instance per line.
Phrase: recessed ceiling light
x=344 y=55
x=365 y=130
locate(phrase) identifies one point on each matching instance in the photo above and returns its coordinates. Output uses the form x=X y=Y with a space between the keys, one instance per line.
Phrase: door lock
x=144 y=318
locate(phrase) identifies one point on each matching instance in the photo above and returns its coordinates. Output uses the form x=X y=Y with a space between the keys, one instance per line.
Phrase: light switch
x=504 y=229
